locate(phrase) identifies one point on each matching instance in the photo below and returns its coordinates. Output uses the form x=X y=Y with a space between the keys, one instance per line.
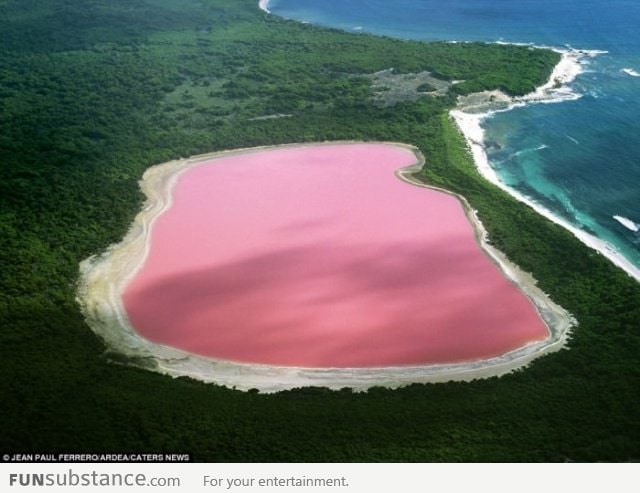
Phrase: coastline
x=103 y=279
x=555 y=90
x=469 y=120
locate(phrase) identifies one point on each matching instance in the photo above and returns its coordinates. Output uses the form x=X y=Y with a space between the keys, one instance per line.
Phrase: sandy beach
x=103 y=279
x=469 y=119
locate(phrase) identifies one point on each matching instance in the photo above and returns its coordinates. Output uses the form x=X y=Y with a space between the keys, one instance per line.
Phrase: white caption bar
x=343 y=478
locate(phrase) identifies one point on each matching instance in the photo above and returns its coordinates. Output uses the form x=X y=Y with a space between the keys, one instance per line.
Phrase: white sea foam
x=572 y=139
x=533 y=149
x=264 y=5
x=628 y=223
x=631 y=72
x=555 y=90
x=527 y=151
x=357 y=28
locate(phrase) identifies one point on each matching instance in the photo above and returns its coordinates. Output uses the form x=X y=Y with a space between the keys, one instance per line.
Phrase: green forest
x=92 y=93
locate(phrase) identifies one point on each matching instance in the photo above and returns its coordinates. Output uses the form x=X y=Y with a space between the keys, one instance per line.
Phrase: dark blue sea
x=580 y=159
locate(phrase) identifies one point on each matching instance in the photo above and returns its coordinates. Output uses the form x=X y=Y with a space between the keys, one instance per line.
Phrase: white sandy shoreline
x=103 y=279
x=555 y=90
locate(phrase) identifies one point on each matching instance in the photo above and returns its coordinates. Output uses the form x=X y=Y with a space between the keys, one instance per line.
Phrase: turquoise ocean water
x=580 y=159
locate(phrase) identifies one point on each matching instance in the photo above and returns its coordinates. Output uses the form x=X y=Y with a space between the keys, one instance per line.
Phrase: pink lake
x=319 y=256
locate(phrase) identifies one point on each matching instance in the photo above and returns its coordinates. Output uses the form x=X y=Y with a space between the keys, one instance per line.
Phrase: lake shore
x=103 y=279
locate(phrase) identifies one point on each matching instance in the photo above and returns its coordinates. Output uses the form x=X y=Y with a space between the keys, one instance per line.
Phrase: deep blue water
x=581 y=159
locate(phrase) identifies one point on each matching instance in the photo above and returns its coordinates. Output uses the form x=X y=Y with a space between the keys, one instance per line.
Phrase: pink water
x=321 y=257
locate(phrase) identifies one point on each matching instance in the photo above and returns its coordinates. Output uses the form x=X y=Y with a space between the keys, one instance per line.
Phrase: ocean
x=579 y=159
